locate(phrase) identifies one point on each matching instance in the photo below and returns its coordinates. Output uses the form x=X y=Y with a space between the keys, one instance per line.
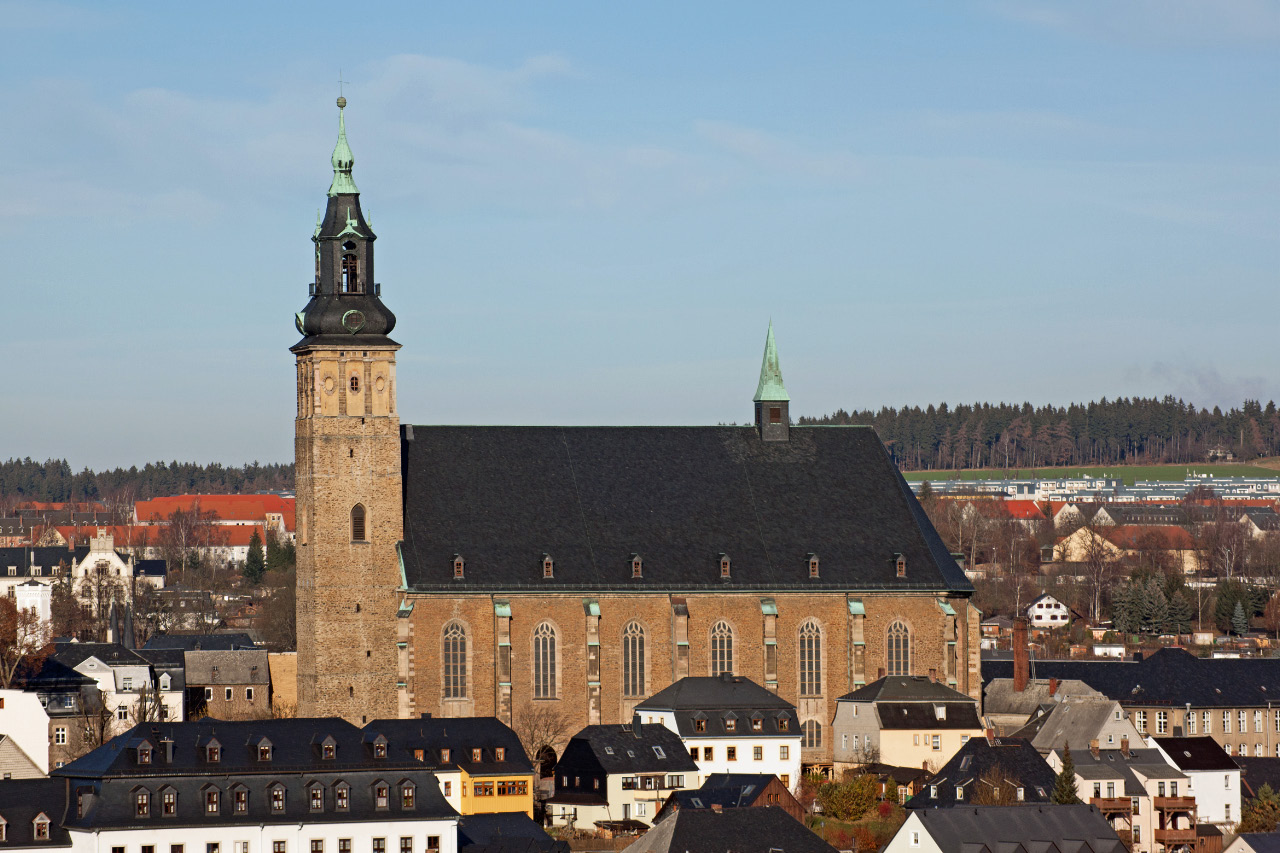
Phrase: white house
x=1212 y=777
x=33 y=595
x=730 y=724
x=25 y=722
x=1045 y=611
x=129 y=687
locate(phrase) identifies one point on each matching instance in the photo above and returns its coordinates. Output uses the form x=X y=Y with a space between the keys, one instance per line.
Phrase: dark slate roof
x=906 y=688
x=150 y=568
x=505 y=832
x=716 y=699
x=1256 y=772
x=1262 y=842
x=112 y=654
x=24 y=558
x=590 y=497
x=923 y=715
x=50 y=675
x=1034 y=827
x=202 y=642
x=1196 y=753
x=739 y=830
x=727 y=790
x=460 y=735
x=1112 y=764
x=22 y=800
x=626 y=749
x=1013 y=759
x=1168 y=677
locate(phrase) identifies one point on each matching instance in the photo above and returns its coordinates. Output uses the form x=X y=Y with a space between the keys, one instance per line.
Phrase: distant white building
x=1048 y=612
x=25 y=723
x=1212 y=777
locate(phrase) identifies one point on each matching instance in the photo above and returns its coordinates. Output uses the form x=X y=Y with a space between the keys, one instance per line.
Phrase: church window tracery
x=544 y=662
x=455 y=661
x=898 y=650
x=810 y=659
x=721 y=648
x=633 y=660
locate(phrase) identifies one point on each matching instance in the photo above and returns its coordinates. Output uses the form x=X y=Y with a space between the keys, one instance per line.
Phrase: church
x=501 y=570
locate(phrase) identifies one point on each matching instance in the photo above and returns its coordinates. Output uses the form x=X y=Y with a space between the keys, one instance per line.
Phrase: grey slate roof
x=112 y=654
x=727 y=790
x=1077 y=722
x=921 y=715
x=738 y=830
x=1262 y=842
x=1196 y=753
x=505 y=832
x=999 y=697
x=590 y=497
x=240 y=666
x=1012 y=759
x=199 y=642
x=1071 y=829
x=625 y=749
x=1256 y=772
x=716 y=699
x=905 y=688
x=44 y=557
x=1112 y=764
x=1169 y=677
x=460 y=735
x=22 y=800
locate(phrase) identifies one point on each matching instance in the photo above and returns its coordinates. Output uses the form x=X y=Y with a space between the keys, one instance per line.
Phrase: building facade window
x=811 y=734
x=544 y=662
x=1162 y=722
x=898 y=650
x=633 y=660
x=357 y=523
x=721 y=648
x=810 y=659
x=1141 y=721
x=455 y=661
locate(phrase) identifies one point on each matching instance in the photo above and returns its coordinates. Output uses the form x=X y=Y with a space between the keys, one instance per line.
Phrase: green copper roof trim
x=946 y=608
x=342 y=160
x=771 y=389
x=768 y=607
x=319 y=219
x=591 y=607
x=351 y=226
x=502 y=609
x=856 y=608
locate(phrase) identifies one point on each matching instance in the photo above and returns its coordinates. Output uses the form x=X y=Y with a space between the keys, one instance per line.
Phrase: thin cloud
x=778 y=154
x=1152 y=23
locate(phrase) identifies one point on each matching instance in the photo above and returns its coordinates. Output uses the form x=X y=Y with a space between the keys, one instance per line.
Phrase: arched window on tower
x=811 y=734
x=810 y=659
x=898 y=650
x=544 y=662
x=357 y=523
x=350 y=280
x=633 y=660
x=721 y=648
x=455 y=661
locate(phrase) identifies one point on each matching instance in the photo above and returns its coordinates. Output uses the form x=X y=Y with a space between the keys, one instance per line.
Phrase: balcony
x=1111 y=805
x=1176 y=804
x=1175 y=836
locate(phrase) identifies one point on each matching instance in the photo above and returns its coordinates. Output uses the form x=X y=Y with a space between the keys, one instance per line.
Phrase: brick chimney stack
x=1093 y=747
x=1021 y=655
x=1124 y=747
x=1053 y=686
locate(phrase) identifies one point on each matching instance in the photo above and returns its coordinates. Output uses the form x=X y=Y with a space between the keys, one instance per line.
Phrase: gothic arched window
x=811 y=734
x=898 y=650
x=810 y=659
x=544 y=662
x=633 y=660
x=721 y=648
x=357 y=523
x=350 y=283
x=455 y=661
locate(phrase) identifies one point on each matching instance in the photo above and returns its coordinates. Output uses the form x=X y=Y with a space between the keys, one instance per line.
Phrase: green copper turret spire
x=771 y=388
x=343 y=159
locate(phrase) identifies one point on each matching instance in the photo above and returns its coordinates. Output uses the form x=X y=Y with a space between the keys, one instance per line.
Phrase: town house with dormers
x=484 y=570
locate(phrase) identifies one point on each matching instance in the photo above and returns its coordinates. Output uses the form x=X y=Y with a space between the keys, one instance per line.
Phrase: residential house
x=1139 y=792
x=905 y=720
x=1079 y=829
x=735 y=791
x=908 y=781
x=730 y=724
x=1006 y=708
x=1174 y=693
x=1255 y=842
x=1256 y=772
x=1081 y=721
x=1170 y=543
x=619 y=776
x=128 y=686
x=988 y=770
x=286 y=786
x=31 y=813
x=24 y=725
x=70 y=700
x=739 y=830
x=229 y=685
x=480 y=761
x=1045 y=611
x=1213 y=777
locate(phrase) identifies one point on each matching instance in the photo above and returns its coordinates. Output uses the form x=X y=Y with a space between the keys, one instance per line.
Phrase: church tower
x=773 y=403
x=347 y=460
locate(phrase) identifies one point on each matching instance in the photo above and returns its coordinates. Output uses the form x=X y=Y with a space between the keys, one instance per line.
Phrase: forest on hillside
x=1108 y=432
x=53 y=480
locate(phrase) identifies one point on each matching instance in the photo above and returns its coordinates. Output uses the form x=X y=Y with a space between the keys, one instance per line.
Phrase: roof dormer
x=262 y=749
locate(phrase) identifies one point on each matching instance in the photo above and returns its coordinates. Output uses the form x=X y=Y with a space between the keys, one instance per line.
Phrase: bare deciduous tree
x=24 y=639
x=542 y=729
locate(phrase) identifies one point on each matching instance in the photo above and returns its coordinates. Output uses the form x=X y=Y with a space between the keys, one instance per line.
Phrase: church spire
x=343 y=159
x=773 y=403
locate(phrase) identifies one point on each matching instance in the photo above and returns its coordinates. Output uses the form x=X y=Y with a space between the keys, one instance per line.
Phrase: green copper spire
x=771 y=388
x=343 y=159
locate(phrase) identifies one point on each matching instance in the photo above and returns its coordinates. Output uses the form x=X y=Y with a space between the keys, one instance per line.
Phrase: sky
x=588 y=213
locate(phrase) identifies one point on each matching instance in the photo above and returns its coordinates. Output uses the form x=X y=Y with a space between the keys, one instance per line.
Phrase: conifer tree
x=1064 y=784
x=1155 y=608
x=1239 y=622
x=255 y=565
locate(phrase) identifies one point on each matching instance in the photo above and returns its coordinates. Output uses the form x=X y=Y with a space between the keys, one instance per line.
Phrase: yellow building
x=906 y=721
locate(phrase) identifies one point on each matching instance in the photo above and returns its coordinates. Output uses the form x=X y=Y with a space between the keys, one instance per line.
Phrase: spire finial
x=342 y=158
x=771 y=388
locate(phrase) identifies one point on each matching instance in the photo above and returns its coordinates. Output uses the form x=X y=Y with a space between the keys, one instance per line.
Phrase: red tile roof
x=1137 y=536
x=227 y=507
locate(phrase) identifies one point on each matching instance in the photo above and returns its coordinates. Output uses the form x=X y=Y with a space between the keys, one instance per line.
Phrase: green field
x=1129 y=473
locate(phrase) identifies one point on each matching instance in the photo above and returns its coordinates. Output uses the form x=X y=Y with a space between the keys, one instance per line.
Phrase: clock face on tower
x=353 y=321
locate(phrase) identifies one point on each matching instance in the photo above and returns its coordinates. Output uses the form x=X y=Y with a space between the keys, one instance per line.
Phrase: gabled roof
x=924 y=715
x=1262 y=842
x=505 y=832
x=1114 y=764
x=1014 y=760
x=227 y=507
x=1139 y=536
x=714 y=701
x=460 y=735
x=626 y=749
x=1032 y=827
x=739 y=830
x=238 y=666
x=1196 y=753
x=590 y=497
x=1077 y=721
x=726 y=790
x=207 y=642
x=1171 y=677
x=22 y=800
x=112 y=654
x=906 y=688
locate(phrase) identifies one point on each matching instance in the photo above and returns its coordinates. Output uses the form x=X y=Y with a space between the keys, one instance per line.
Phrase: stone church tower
x=347 y=454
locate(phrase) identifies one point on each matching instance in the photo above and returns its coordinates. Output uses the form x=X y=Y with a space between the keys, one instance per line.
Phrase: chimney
x=933 y=673
x=991 y=735
x=1124 y=747
x=1021 y=658
x=1093 y=747
x=1053 y=686
x=880 y=672
x=715 y=807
